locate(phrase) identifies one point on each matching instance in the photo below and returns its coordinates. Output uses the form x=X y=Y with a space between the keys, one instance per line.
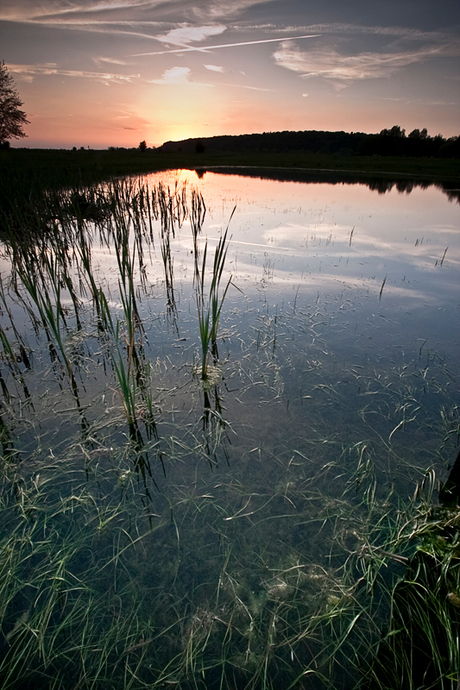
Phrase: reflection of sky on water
x=328 y=236
x=381 y=264
x=335 y=248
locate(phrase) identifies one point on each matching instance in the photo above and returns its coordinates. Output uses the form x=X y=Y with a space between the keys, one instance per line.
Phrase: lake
x=227 y=401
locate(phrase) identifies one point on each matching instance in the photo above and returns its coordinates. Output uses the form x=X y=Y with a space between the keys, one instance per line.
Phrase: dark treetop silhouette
x=12 y=118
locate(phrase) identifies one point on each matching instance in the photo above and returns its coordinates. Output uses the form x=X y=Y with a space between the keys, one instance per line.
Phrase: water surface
x=334 y=393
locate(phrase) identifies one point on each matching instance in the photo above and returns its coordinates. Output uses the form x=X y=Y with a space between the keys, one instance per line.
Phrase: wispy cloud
x=109 y=60
x=250 y=88
x=224 y=8
x=181 y=75
x=225 y=45
x=48 y=69
x=132 y=10
x=31 y=10
x=214 y=68
x=328 y=63
x=348 y=29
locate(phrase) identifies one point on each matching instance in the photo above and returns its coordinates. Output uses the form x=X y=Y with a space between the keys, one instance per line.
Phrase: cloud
x=224 y=8
x=330 y=64
x=250 y=88
x=175 y=75
x=86 y=11
x=184 y=35
x=346 y=29
x=110 y=61
x=56 y=10
x=214 y=68
x=50 y=68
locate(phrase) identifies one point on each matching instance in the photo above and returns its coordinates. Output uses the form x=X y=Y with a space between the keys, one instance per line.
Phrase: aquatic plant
x=197 y=218
x=210 y=305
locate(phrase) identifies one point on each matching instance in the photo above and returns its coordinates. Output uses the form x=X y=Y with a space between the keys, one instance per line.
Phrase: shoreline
x=57 y=168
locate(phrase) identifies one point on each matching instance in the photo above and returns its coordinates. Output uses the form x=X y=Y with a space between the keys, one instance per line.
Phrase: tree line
x=389 y=142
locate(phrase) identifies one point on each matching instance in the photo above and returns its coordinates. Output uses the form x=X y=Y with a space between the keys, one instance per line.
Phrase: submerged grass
x=350 y=590
x=82 y=602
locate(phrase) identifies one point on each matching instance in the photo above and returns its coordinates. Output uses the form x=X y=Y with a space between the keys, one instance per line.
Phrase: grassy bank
x=57 y=167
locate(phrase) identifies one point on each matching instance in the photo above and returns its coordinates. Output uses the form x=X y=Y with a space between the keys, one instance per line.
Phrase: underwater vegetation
x=200 y=495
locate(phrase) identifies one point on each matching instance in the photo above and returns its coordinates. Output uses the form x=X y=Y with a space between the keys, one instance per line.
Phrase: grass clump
x=210 y=306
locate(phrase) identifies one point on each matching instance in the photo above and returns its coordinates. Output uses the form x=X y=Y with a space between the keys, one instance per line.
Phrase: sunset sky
x=105 y=73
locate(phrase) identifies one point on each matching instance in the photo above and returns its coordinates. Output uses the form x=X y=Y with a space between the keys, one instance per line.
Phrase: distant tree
x=417 y=134
x=395 y=131
x=451 y=148
x=418 y=143
x=12 y=118
x=143 y=146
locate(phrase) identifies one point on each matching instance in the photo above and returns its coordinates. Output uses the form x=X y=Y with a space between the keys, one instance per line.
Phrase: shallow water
x=336 y=389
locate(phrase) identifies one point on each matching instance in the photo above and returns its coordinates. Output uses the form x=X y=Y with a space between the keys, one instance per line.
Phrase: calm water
x=295 y=243
x=337 y=373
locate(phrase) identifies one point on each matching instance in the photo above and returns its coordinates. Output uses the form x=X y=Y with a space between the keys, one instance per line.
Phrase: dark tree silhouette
x=417 y=134
x=12 y=118
x=389 y=142
x=143 y=146
x=395 y=131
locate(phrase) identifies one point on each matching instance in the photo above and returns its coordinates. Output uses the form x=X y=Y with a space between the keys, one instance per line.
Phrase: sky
x=103 y=73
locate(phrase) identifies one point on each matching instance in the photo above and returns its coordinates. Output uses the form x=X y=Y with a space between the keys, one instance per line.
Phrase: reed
x=133 y=382
x=86 y=274
x=210 y=304
x=13 y=358
x=68 y=579
x=24 y=349
x=197 y=218
x=51 y=314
